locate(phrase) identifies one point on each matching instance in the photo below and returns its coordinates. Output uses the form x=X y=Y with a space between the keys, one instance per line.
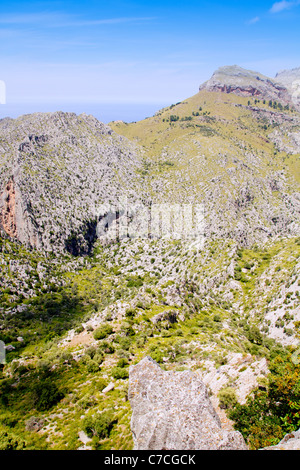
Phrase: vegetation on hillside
x=121 y=305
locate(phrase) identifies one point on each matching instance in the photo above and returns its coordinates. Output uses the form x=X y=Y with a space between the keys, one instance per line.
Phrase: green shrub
x=91 y=365
x=254 y=335
x=135 y=282
x=217 y=318
x=104 y=347
x=119 y=373
x=157 y=355
x=103 y=331
x=124 y=342
x=130 y=313
x=99 y=425
x=79 y=329
x=227 y=398
x=10 y=441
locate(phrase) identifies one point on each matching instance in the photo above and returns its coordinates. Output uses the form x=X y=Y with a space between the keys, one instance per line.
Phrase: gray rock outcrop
x=172 y=411
x=291 y=80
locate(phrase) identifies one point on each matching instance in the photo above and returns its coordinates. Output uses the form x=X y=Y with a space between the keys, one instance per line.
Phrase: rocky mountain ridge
x=235 y=79
x=58 y=170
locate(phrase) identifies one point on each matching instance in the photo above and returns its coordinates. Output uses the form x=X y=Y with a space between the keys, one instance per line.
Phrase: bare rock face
x=172 y=411
x=16 y=219
x=291 y=80
x=234 y=79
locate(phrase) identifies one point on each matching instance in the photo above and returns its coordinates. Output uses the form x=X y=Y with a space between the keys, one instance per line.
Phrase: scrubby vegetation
x=274 y=410
x=52 y=377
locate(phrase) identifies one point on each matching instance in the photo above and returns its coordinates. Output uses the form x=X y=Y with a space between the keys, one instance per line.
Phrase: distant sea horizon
x=104 y=112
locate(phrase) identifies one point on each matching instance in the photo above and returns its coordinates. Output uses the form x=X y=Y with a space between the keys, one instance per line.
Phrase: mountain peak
x=243 y=82
x=291 y=80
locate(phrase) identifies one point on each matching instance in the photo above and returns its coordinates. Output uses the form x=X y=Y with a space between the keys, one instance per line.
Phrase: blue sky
x=124 y=59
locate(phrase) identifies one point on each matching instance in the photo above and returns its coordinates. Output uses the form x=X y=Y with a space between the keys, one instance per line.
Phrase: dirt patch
x=82 y=338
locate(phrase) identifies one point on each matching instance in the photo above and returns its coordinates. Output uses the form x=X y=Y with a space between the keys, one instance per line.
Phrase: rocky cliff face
x=291 y=80
x=16 y=217
x=172 y=411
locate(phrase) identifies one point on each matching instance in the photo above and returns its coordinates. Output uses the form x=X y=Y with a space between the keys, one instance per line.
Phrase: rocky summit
x=234 y=79
x=149 y=273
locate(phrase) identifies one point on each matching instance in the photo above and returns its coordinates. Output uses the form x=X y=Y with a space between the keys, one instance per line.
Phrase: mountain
x=80 y=303
x=235 y=79
x=231 y=147
x=291 y=80
x=236 y=156
x=57 y=170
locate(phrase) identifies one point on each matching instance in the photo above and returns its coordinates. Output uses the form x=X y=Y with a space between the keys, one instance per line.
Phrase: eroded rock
x=172 y=410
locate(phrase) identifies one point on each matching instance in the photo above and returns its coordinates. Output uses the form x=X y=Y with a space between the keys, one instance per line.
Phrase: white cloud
x=254 y=20
x=63 y=20
x=283 y=5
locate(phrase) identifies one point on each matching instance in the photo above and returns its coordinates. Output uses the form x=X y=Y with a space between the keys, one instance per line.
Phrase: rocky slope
x=56 y=172
x=233 y=149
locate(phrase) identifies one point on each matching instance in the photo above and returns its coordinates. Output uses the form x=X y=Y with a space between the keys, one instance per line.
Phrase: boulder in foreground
x=172 y=411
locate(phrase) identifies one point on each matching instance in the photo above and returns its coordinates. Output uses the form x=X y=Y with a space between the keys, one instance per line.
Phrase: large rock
x=172 y=410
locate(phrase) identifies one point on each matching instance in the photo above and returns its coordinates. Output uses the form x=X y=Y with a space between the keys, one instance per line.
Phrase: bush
x=46 y=394
x=10 y=441
x=157 y=355
x=227 y=398
x=130 y=313
x=119 y=373
x=124 y=342
x=270 y=414
x=122 y=362
x=99 y=425
x=92 y=365
x=254 y=335
x=135 y=282
x=104 y=347
x=102 y=332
